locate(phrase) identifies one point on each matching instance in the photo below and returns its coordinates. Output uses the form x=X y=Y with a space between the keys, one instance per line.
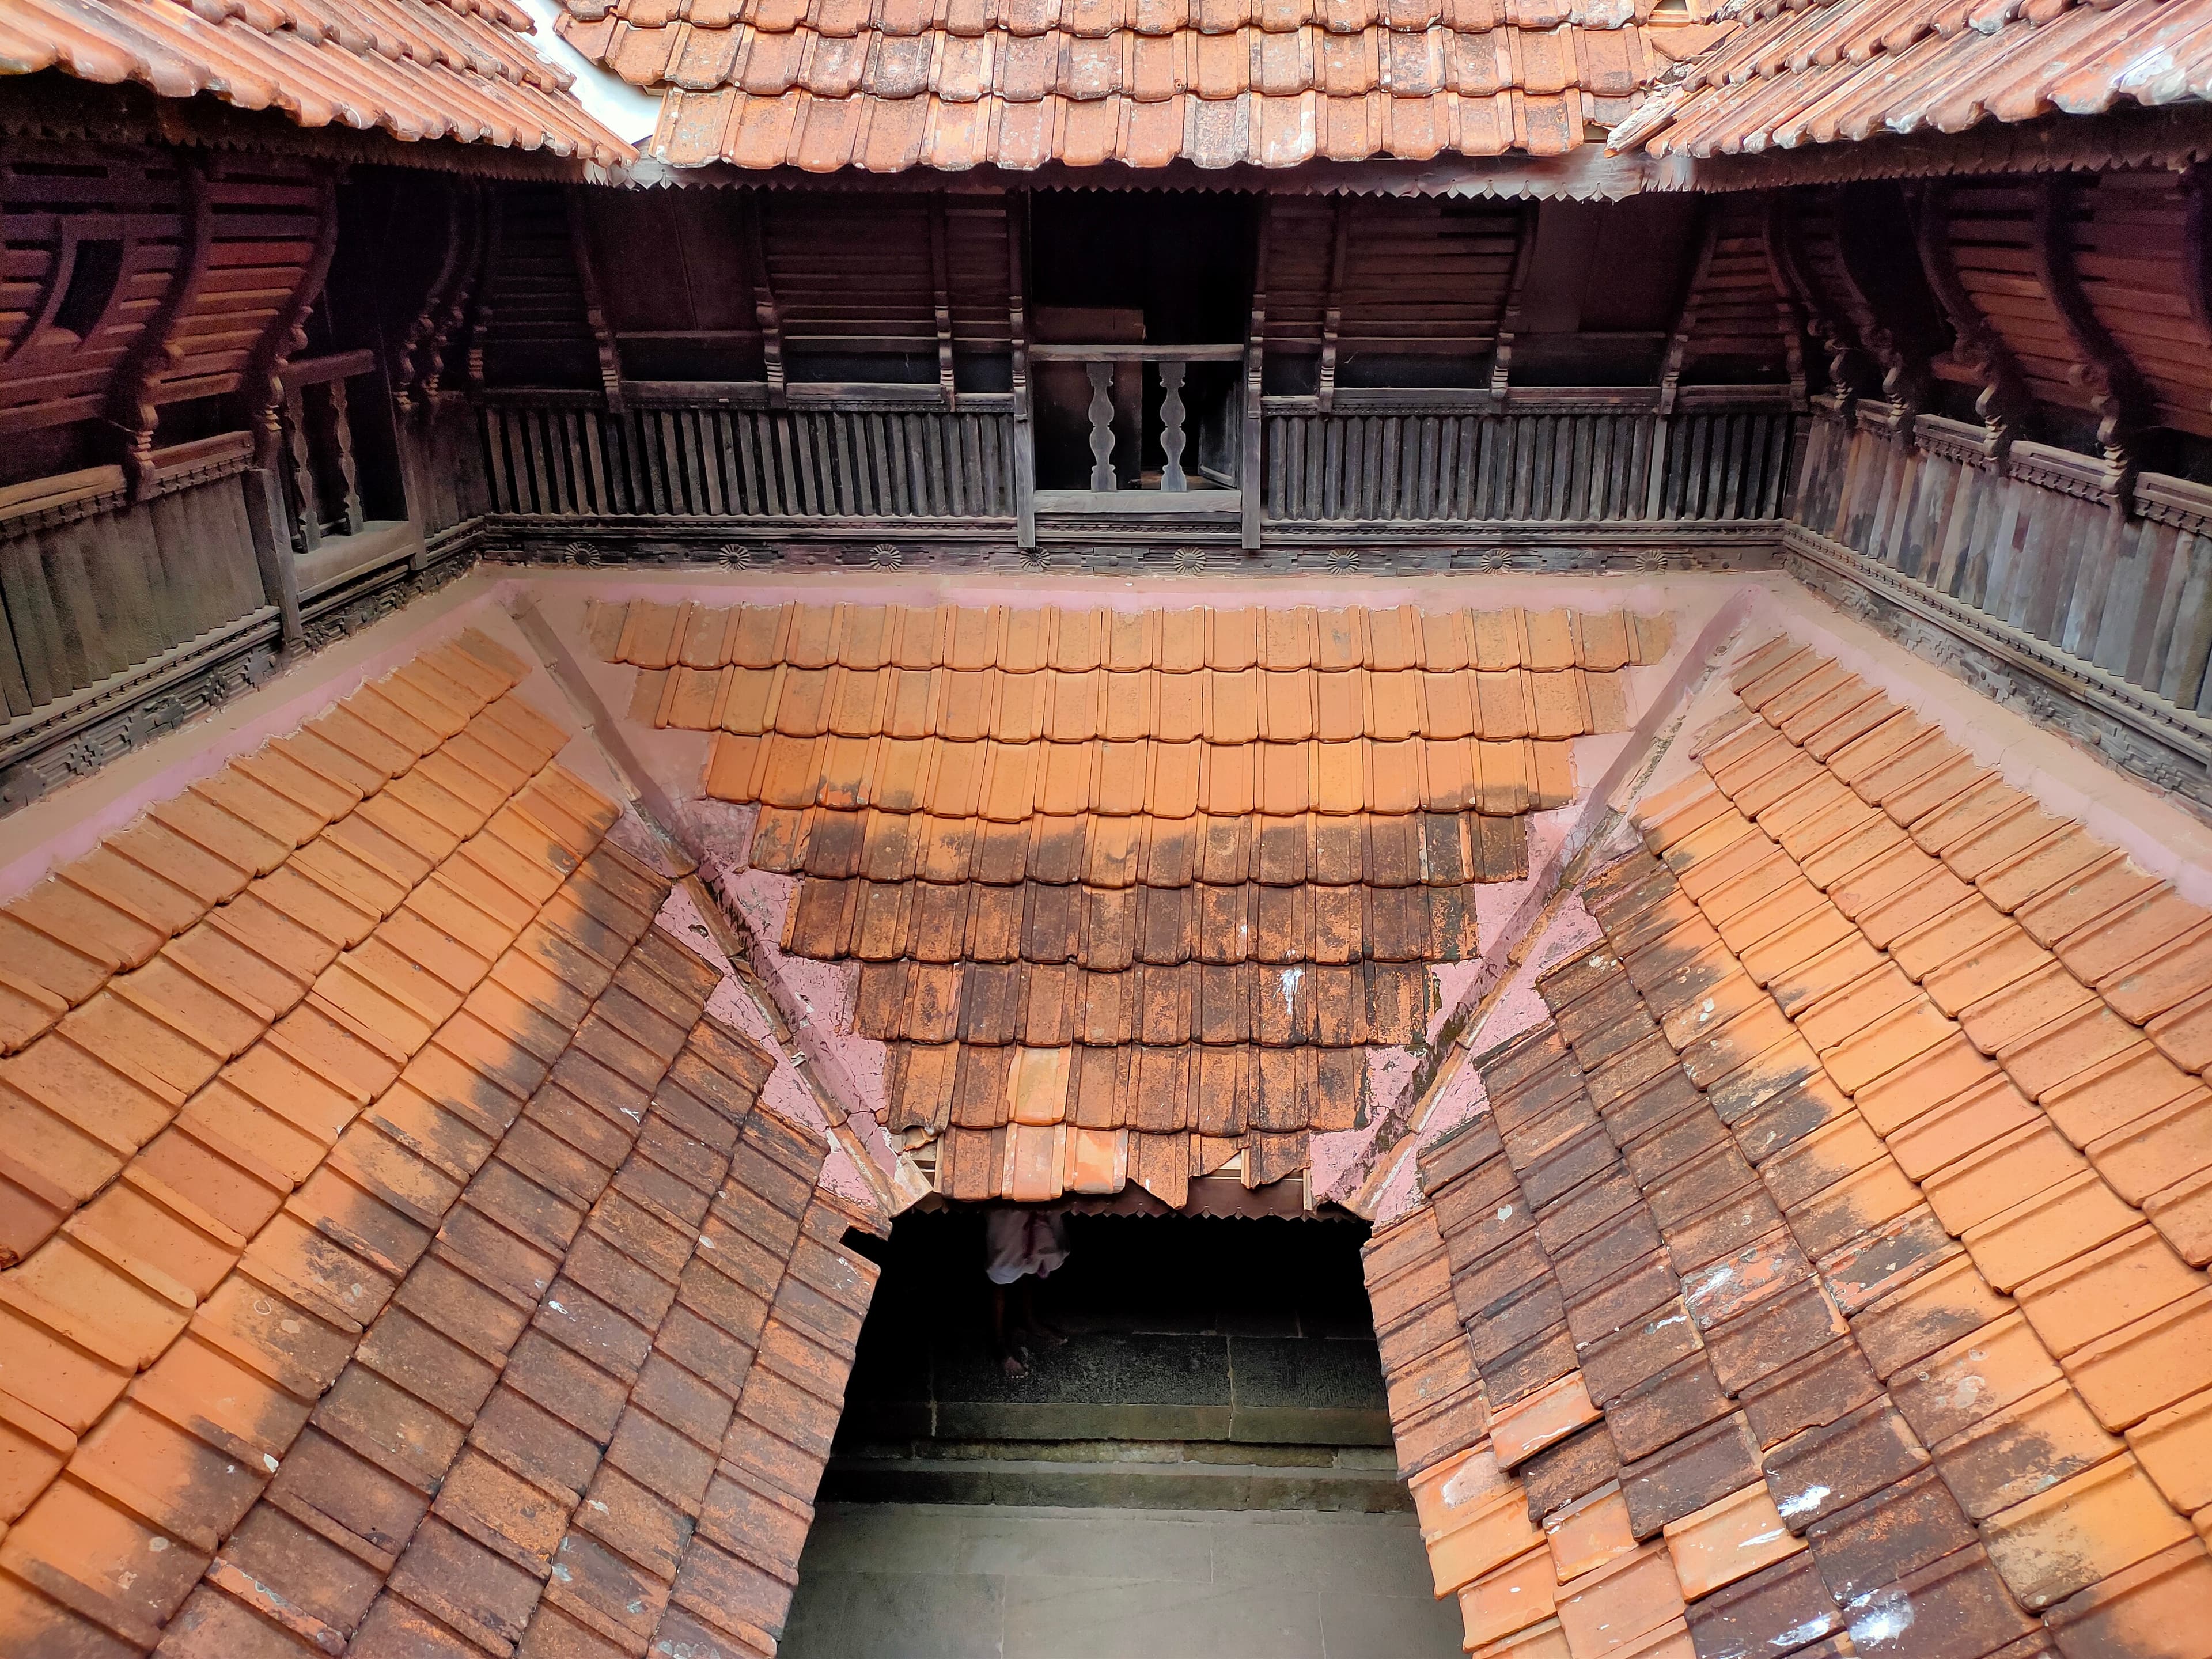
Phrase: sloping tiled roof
x=1828 y=1269
x=418 y=69
x=1793 y=74
x=897 y=84
x=399 y=1253
x=1131 y=893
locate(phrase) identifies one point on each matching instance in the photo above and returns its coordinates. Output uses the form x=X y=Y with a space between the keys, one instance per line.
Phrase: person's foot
x=1011 y=1366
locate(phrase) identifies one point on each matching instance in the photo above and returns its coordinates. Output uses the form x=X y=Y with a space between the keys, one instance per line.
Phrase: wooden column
x=1686 y=320
x=1249 y=484
x=1788 y=319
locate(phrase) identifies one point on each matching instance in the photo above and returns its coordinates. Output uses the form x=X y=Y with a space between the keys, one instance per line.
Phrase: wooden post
x=1017 y=222
x=1171 y=433
x=272 y=551
x=1249 y=484
x=306 y=508
x=1789 y=320
x=1686 y=320
x=337 y=430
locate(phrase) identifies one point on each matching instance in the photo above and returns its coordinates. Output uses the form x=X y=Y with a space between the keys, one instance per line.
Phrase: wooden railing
x=322 y=476
x=1101 y=364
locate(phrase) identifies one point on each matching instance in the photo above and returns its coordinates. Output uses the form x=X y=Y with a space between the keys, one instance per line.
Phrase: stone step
x=1114 y=1483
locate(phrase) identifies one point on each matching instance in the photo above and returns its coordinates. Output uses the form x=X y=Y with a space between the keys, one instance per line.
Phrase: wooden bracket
x=1686 y=319
x=1333 y=317
x=131 y=408
x=2117 y=392
x=771 y=323
x=259 y=380
x=1509 y=318
x=595 y=312
x=941 y=295
x=2004 y=402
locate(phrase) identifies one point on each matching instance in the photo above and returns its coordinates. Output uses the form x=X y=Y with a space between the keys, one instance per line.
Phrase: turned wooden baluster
x=1171 y=435
x=307 y=513
x=334 y=430
x=1101 y=424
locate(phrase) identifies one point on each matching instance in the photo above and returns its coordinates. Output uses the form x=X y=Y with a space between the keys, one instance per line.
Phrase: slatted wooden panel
x=1735 y=335
x=52 y=199
x=2133 y=595
x=1993 y=239
x=532 y=326
x=265 y=220
x=674 y=282
x=83 y=600
x=747 y=463
x=1426 y=279
x=852 y=274
x=977 y=273
x=2128 y=233
x=1301 y=244
x=1567 y=468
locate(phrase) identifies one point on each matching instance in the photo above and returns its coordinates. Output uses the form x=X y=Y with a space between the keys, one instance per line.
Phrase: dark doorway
x=1208 y=1362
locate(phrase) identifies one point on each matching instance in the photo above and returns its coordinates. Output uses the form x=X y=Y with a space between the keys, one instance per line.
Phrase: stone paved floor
x=926 y=1581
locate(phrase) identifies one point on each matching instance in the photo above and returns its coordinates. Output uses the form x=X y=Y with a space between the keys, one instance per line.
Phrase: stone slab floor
x=932 y=1581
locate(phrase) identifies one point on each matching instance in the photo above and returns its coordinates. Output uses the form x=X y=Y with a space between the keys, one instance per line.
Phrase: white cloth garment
x=1019 y=1243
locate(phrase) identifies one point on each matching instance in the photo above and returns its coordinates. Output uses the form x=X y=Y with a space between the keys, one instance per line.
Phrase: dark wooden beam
x=2116 y=390
x=595 y=310
x=131 y=410
x=2004 y=402
x=1333 y=314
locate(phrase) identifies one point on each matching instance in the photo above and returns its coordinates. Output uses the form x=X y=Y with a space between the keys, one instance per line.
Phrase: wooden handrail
x=338 y=366
x=1137 y=354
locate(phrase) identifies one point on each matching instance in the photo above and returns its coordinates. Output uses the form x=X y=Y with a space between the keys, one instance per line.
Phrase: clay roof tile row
x=1133 y=893
x=1792 y=76
x=1867 y=1311
x=418 y=69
